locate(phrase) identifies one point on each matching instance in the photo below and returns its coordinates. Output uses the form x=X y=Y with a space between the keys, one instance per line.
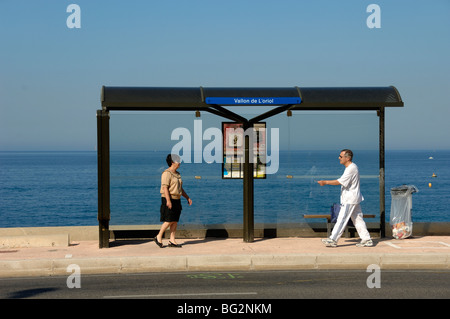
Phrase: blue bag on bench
x=335 y=208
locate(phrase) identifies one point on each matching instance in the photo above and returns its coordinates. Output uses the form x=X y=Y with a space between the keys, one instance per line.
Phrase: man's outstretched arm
x=333 y=182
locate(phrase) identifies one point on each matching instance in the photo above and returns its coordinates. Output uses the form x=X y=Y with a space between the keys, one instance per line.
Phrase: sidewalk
x=226 y=254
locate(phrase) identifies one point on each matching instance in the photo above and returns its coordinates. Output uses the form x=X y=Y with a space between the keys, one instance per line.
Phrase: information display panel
x=233 y=149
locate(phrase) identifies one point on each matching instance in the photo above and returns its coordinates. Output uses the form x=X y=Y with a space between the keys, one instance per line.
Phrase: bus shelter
x=219 y=101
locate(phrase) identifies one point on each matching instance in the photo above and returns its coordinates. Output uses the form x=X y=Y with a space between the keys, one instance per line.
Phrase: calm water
x=60 y=188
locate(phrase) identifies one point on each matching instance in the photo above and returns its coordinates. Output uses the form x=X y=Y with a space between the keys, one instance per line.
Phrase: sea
x=40 y=189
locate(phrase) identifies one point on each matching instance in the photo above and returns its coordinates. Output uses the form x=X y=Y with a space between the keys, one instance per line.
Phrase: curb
x=122 y=265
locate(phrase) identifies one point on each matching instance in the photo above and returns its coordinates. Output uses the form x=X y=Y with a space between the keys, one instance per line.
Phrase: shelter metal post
x=103 y=177
x=248 y=192
x=382 y=174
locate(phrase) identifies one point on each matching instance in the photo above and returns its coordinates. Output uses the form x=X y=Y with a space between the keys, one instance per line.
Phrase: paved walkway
x=220 y=254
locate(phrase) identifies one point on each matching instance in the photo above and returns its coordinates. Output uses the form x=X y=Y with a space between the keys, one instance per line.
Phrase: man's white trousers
x=354 y=212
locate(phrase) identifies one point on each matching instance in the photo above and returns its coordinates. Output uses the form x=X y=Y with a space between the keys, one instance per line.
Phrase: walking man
x=350 y=203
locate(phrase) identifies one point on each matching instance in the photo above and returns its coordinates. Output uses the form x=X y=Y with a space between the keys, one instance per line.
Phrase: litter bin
x=401 y=206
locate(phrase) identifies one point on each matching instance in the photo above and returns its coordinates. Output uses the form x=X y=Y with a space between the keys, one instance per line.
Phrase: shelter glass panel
x=300 y=151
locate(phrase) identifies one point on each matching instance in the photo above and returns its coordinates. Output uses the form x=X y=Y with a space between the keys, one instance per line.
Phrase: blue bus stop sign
x=253 y=100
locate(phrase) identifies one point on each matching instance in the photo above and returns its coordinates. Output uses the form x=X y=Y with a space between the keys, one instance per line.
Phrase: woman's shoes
x=174 y=245
x=158 y=243
x=170 y=244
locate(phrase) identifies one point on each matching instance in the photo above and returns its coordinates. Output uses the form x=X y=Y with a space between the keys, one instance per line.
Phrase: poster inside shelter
x=233 y=149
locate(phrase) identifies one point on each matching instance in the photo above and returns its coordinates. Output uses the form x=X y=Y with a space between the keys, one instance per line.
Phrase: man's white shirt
x=350 y=188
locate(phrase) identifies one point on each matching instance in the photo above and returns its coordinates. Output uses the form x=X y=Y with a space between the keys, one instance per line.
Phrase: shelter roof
x=198 y=98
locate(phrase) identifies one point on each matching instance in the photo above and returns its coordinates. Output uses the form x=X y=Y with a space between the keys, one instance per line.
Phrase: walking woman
x=171 y=192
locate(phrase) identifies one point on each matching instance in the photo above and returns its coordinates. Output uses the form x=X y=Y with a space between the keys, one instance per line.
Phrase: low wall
x=85 y=233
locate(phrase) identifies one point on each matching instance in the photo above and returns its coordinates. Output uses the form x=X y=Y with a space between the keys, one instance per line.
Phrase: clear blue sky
x=51 y=76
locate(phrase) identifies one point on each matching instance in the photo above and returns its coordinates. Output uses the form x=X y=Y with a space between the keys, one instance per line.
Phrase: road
x=248 y=285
